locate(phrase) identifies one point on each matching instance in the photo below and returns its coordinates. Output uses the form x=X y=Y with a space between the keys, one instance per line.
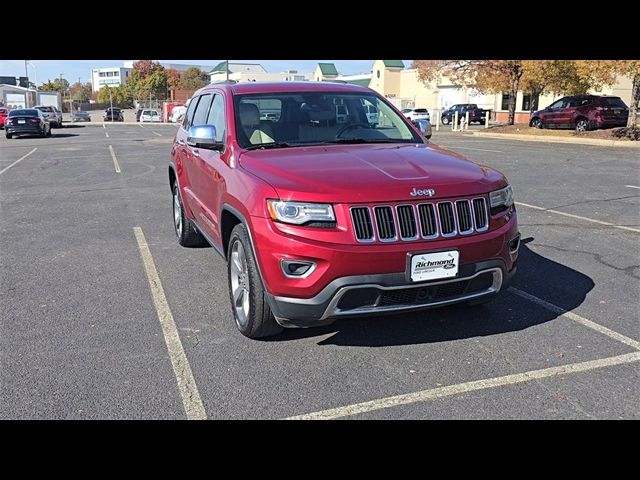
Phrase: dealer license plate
x=21 y=122
x=433 y=266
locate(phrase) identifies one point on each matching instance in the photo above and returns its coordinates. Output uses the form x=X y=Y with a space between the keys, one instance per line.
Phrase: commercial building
x=403 y=87
x=109 y=76
x=252 y=72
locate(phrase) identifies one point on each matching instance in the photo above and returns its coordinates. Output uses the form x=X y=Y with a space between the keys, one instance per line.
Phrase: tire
x=445 y=120
x=8 y=135
x=249 y=305
x=49 y=132
x=185 y=230
x=582 y=125
x=43 y=133
x=536 y=123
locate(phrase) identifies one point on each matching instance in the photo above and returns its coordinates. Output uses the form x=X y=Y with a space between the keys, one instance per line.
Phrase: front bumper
x=390 y=293
x=318 y=298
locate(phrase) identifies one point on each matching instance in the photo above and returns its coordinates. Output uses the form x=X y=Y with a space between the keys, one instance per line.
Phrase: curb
x=551 y=139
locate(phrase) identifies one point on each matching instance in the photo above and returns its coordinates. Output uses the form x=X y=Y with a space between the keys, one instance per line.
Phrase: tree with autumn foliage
x=173 y=78
x=486 y=76
x=80 y=92
x=193 y=79
x=148 y=78
x=605 y=73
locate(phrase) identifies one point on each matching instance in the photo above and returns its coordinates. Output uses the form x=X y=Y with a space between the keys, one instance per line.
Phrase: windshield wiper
x=269 y=145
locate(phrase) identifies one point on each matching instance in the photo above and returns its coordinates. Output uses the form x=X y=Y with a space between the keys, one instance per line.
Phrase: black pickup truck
x=475 y=114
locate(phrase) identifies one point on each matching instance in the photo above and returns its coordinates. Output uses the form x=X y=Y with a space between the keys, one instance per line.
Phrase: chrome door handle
x=195 y=152
x=181 y=142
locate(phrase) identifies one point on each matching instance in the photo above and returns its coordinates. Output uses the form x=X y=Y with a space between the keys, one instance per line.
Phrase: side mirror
x=203 y=136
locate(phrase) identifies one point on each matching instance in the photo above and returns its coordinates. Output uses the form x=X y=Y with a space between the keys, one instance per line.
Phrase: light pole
x=111 y=102
x=26 y=95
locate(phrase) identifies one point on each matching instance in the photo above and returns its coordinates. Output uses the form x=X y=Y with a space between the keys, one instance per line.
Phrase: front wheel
x=536 y=123
x=8 y=136
x=249 y=304
x=445 y=120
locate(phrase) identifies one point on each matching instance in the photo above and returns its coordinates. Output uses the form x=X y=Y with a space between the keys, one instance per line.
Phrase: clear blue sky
x=42 y=70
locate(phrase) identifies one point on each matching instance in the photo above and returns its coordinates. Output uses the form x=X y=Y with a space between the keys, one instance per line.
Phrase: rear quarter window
x=614 y=102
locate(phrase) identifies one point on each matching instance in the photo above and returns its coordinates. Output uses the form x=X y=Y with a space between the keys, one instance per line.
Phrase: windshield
x=312 y=118
x=45 y=109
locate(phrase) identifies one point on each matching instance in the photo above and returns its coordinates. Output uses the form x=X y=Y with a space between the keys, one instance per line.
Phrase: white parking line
x=449 y=390
x=115 y=160
x=191 y=400
x=107 y=134
x=156 y=133
x=631 y=186
x=577 y=318
x=140 y=125
x=104 y=126
x=17 y=161
x=469 y=148
x=621 y=227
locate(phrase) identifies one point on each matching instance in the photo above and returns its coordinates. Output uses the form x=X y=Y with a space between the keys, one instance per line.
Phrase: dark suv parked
x=582 y=112
x=113 y=114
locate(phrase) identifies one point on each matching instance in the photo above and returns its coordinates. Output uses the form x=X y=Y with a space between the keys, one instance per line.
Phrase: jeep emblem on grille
x=427 y=192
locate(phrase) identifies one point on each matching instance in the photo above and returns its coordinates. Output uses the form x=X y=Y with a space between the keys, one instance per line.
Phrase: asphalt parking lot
x=84 y=213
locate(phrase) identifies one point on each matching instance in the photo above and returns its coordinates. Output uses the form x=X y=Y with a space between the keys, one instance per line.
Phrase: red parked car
x=582 y=112
x=4 y=112
x=322 y=216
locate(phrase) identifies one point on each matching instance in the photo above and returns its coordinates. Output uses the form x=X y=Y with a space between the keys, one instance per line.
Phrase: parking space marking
x=577 y=318
x=469 y=148
x=140 y=125
x=156 y=133
x=104 y=126
x=106 y=133
x=115 y=160
x=17 y=161
x=450 y=390
x=631 y=186
x=191 y=400
x=621 y=227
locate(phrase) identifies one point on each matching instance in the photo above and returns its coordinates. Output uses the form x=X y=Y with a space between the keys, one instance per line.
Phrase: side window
x=216 y=117
x=557 y=104
x=202 y=110
x=189 y=115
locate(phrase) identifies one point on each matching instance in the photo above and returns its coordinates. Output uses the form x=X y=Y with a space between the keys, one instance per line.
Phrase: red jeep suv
x=582 y=112
x=322 y=214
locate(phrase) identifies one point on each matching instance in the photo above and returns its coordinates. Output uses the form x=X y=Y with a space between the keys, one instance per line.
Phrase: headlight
x=299 y=213
x=501 y=197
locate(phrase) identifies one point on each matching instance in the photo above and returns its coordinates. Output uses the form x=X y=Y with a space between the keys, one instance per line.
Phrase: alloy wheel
x=177 y=212
x=240 y=285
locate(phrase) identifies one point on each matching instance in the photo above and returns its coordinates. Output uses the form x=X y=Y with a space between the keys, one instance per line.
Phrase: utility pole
x=26 y=95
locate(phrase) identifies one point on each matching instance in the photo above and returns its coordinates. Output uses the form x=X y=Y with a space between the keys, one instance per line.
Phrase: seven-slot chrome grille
x=426 y=220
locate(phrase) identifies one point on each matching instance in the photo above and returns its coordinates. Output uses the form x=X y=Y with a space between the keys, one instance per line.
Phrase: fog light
x=297 y=268
x=514 y=244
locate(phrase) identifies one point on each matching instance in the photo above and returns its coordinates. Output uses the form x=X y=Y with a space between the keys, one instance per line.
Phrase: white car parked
x=372 y=114
x=150 y=116
x=176 y=113
x=416 y=113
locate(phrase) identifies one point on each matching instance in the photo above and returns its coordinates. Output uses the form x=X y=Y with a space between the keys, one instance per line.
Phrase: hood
x=369 y=173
